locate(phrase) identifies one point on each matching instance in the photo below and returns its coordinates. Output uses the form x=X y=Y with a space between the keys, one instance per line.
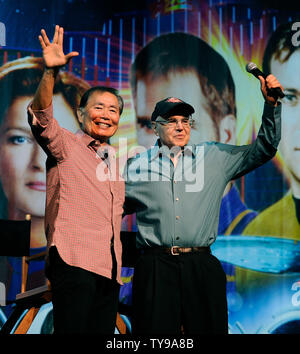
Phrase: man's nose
x=179 y=125
x=105 y=114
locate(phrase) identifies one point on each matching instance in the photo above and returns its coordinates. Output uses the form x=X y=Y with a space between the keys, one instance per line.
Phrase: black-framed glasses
x=172 y=123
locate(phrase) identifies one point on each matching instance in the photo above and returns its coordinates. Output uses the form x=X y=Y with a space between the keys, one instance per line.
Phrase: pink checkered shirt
x=83 y=210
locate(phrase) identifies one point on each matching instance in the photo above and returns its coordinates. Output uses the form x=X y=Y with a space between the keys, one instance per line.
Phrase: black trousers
x=187 y=290
x=83 y=302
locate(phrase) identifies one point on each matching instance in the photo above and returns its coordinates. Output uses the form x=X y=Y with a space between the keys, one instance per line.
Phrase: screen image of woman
x=23 y=162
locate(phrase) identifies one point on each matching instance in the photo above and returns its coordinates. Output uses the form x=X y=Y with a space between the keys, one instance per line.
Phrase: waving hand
x=53 y=53
x=54 y=58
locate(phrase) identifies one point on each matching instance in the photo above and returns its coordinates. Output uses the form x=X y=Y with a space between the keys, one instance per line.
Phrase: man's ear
x=80 y=115
x=227 y=129
x=154 y=128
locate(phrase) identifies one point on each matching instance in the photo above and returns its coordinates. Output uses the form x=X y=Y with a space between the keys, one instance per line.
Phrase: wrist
x=51 y=71
x=271 y=103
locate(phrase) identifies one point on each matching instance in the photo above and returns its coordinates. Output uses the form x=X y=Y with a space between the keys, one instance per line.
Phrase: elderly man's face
x=173 y=131
x=182 y=84
x=100 y=117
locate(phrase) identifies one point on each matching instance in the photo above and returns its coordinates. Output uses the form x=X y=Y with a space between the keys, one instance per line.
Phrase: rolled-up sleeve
x=40 y=118
x=48 y=133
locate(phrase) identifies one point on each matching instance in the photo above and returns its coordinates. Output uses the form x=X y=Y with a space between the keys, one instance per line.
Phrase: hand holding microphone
x=270 y=86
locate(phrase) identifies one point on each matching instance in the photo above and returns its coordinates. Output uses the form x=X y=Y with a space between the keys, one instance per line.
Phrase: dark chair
x=15 y=242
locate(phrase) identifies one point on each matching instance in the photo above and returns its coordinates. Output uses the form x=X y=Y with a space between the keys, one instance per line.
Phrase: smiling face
x=100 y=117
x=288 y=74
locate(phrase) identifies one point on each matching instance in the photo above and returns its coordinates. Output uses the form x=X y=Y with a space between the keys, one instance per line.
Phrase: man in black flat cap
x=175 y=189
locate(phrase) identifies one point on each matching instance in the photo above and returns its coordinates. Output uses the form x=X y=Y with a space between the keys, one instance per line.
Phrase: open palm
x=53 y=54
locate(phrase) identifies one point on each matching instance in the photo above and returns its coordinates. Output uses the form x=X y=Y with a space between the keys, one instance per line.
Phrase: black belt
x=174 y=250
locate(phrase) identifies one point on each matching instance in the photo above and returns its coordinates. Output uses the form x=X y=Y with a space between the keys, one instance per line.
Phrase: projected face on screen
x=184 y=66
x=288 y=73
x=22 y=161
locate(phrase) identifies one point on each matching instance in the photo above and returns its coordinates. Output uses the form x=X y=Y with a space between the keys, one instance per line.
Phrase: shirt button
x=175 y=181
x=177 y=199
x=177 y=238
x=177 y=217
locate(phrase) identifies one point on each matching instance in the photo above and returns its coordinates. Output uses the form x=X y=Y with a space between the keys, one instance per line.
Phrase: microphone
x=253 y=69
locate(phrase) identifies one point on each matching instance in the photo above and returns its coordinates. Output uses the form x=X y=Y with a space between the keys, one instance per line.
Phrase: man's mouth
x=102 y=125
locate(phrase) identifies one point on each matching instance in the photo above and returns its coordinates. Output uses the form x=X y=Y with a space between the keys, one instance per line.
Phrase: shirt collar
x=88 y=140
x=160 y=149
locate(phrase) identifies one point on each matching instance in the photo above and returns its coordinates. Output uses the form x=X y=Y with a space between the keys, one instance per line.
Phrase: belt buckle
x=172 y=251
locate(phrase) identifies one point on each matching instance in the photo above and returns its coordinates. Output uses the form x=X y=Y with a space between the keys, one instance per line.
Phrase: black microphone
x=253 y=69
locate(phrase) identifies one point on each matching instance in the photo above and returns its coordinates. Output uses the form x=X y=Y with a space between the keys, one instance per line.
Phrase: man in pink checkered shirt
x=83 y=212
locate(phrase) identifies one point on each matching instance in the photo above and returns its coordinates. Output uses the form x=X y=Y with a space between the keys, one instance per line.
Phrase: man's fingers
x=60 y=36
x=71 y=55
x=262 y=81
x=272 y=82
x=55 y=36
x=43 y=45
x=45 y=38
x=55 y=50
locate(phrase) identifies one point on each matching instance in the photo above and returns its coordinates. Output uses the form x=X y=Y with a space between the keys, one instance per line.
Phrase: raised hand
x=266 y=86
x=53 y=53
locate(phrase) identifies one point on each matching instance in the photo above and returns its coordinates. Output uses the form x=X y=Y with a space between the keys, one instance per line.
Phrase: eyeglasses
x=172 y=123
